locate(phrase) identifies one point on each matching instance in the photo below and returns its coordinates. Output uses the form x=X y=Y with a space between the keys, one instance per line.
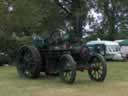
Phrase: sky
x=98 y=17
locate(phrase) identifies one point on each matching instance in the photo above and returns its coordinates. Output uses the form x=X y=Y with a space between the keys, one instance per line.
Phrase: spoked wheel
x=28 y=62
x=98 y=69
x=67 y=69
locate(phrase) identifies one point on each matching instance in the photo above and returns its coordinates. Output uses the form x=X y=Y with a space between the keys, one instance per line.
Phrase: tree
x=35 y=16
x=76 y=11
x=113 y=18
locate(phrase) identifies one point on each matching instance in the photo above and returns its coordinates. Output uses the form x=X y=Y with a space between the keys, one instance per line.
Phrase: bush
x=10 y=44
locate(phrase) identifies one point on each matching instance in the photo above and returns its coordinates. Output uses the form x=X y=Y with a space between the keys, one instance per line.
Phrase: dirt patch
x=71 y=92
x=117 y=89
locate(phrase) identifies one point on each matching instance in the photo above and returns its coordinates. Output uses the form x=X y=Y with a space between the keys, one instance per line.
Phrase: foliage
x=35 y=16
x=48 y=16
x=9 y=44
x=114 y=18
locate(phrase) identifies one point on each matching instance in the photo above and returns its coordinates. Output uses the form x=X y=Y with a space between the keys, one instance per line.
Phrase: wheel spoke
x=25 y=61
x=94 y=74
x=69 y=75
x=97 y=70
x=27 y=57
x=65 y=74
x=99 y=74
x=68 y=69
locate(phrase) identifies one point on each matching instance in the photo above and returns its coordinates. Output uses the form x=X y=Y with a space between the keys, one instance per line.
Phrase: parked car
x=4 y=59
x=127 y=56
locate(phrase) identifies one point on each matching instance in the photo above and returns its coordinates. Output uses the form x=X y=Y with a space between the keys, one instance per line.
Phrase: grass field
x=116 y=84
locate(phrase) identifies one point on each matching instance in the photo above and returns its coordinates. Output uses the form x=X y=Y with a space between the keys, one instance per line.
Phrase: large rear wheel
x=98 y=68
x=28 y=62
x=67 y=69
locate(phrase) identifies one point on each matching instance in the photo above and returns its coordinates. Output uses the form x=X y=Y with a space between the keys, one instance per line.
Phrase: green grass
x=116 y=84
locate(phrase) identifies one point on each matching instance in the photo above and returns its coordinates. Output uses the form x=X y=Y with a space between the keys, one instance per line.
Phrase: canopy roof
x=102 y=42
x=124 y=42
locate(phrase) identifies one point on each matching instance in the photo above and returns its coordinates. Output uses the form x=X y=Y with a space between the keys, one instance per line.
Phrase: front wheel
x=98 y=68
x=67 y=69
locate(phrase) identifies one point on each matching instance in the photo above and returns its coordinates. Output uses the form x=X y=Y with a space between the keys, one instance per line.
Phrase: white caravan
x=110 y=50
x=124 y=47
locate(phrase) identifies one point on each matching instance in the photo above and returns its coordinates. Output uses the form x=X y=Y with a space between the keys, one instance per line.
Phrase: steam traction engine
x=62 y=61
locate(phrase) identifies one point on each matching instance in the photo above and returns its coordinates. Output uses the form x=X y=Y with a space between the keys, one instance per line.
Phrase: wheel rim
x=97 y=69
x=25 y=62
x=67 y=71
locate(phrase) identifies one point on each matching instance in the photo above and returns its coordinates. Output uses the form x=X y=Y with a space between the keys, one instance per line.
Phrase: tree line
x=19 y=18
